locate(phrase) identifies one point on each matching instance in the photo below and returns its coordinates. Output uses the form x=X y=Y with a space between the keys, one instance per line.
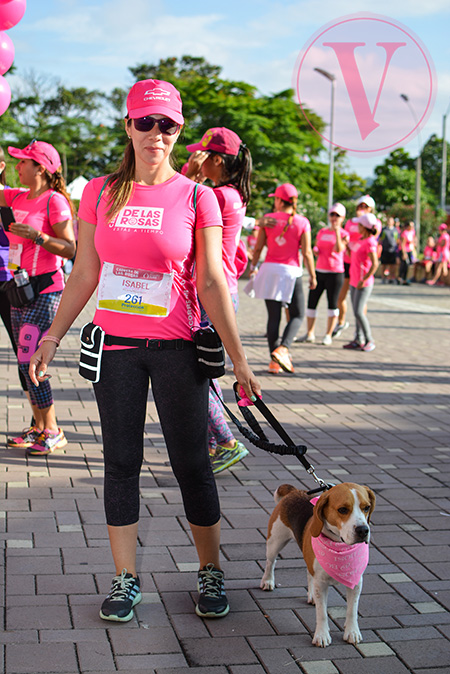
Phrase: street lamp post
x=418 y=175
x=444 y=162
x=332 y=79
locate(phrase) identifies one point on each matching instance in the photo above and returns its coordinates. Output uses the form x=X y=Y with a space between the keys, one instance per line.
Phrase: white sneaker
x=309 y=339
x=326 y=341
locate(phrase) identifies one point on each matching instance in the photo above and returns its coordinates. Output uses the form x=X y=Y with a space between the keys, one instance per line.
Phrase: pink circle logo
x=374 y=74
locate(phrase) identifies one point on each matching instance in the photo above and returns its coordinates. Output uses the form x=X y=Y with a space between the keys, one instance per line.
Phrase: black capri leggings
x=332 y=283
x=181 y=397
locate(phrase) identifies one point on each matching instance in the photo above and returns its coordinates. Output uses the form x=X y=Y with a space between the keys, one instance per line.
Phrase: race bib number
x=15 y=253
x=134 y=291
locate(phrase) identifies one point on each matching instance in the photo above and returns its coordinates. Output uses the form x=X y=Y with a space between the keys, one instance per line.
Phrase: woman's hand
x=195 y=163
x=40 y=361
x=312 y=282
x=247 y=380
x=268 y=223
x=23 y=230
x=360 y=285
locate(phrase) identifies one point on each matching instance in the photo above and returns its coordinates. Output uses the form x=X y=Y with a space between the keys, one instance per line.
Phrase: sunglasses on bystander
x=165 y=125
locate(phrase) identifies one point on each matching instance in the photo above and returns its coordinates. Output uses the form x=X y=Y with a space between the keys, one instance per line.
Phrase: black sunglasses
x=336 y=214
x=165 y=125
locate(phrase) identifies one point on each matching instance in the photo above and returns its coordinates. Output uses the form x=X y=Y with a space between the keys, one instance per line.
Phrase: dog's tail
x=282 y=490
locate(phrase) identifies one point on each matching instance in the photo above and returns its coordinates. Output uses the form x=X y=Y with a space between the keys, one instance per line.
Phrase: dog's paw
x=267 y=584
x=310 y=599
x=322 y=639
x=352 y=635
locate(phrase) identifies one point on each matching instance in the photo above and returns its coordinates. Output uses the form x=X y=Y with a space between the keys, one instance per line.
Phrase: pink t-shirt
x=443 y=247
x=283 y=244
x=41 y=213
x=233 y=212
x=328 y=260
x=149 y=240
x=352 y=227
x=408 y=237
x=360 y=262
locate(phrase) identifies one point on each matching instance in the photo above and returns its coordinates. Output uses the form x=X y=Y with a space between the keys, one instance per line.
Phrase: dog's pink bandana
x=345 y=563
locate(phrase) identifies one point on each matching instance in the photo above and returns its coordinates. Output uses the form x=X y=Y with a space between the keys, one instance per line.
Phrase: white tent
x=76 y=187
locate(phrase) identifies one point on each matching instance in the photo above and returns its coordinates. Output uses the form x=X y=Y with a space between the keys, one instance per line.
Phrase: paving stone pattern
x=379 y=418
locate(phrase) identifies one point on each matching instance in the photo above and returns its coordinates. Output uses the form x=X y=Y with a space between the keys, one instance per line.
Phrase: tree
x=432 y=166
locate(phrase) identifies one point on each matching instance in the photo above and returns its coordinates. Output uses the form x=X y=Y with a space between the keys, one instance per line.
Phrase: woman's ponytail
x=237 y=171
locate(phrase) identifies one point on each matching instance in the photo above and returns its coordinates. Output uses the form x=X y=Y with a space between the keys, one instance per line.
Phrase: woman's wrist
x=50 y=338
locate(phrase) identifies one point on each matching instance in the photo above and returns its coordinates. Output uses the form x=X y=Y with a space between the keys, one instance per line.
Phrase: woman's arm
x=259 y=245
x=2 y=196
x=374 y=266
x=339 y=245
x=308 y=258
x=215 y=297
x=79 y=288
x=62 y=244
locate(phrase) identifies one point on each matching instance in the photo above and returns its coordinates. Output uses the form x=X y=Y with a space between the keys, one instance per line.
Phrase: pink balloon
x=11 y=12
x=6 y=52
x=5 y=95
x=3 y=2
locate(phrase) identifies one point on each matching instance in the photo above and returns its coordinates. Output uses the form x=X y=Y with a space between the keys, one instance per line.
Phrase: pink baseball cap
x=148 y=97
x=366 y=199
x=43 y=153
x=218 y=139
x=285 y=192
x=443 y=226
x=368 y=220
x=338 y=208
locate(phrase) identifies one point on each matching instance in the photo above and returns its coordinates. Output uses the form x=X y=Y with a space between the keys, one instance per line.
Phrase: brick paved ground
x=380 y=418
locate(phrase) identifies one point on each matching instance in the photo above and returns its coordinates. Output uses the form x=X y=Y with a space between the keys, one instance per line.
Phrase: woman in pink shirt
x=226 y=161
x=143 y=233
x=329 y=248
x=363 y=265
x=407 y=251
x=279 y=280
x=442 y=254
x=39 y=240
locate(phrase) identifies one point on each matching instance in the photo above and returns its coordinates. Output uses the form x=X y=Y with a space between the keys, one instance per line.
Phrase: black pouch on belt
x=91 y=337
x=210 y=352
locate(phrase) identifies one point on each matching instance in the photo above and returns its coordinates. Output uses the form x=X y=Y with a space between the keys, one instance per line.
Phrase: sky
x=92 y=43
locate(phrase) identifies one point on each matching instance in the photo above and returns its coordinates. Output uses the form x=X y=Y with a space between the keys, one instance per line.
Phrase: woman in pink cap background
x=225 y=160
x=329 y=248
x=143 y=231
x=40 y=239
x=442 y=254
x=279 y=280
x=363 y=265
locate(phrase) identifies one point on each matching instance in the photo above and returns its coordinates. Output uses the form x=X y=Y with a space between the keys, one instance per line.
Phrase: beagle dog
x=333 y=533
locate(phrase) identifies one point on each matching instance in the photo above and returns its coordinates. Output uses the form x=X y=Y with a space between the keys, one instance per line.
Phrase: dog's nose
x=362 y=531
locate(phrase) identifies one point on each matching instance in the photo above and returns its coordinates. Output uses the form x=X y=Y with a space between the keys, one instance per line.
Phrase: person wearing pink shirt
x=363 y=265
x=407 y=251
x=150 y=240
x=39 y=241
x=442 y=254
x=279 y=280
x=226 y=161
x=365 y=204
x=329 y=248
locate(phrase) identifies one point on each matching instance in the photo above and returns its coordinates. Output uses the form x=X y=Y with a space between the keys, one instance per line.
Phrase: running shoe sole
x=59 y=445
x=124 y=619
x=212 y=615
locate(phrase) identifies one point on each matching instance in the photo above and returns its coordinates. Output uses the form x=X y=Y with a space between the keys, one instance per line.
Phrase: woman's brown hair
x=3 y=173
x=57 y=183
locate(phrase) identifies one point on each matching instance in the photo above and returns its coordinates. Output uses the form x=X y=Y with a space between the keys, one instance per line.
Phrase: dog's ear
x=317 y=518
x=372 y=500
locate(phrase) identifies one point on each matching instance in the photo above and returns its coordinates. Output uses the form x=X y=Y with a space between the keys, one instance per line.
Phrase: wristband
x=253 y=267
x=49 y=338
x=39 y=240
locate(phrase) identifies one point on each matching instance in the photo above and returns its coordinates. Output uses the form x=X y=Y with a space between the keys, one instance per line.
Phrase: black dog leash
x=258 y=438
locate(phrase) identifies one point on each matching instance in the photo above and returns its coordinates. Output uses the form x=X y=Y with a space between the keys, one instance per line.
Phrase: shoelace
x=211 y=581
x=120 y=587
